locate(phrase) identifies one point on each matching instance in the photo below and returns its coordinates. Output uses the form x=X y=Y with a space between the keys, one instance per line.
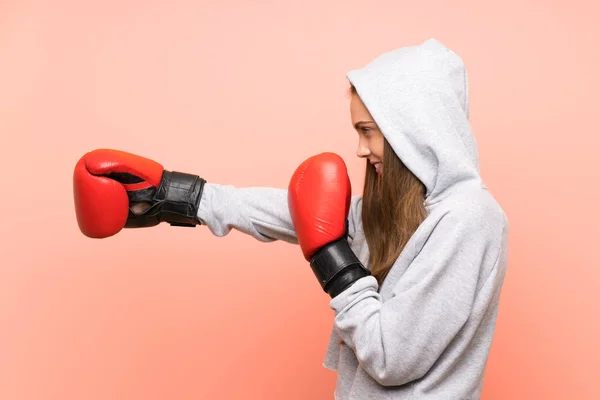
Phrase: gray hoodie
x=426 y=332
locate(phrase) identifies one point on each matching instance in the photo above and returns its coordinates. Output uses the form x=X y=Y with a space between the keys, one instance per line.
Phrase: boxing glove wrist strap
x=337 y=267
x=181 y=194
x=176 y=202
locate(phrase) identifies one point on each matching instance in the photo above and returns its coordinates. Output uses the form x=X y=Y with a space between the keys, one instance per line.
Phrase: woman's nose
x=363 y=151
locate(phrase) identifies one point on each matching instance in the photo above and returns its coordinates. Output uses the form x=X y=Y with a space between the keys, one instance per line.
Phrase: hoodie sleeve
x=261 y=212
x=398 y=340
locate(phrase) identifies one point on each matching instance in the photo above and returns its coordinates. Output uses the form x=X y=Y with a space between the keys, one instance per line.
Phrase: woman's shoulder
x=476 y=209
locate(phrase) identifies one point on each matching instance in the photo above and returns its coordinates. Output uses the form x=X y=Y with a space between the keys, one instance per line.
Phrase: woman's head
x=393 y=197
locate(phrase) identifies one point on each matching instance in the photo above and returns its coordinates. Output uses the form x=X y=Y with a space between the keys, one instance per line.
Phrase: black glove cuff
x=337 y=267
x=179 y=194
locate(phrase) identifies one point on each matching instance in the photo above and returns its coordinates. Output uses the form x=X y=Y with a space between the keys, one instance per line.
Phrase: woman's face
x=370 y=138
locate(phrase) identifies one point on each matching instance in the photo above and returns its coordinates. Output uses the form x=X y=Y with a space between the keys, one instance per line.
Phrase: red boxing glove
x=319 y=196
x=106 y=182
x=319 y=200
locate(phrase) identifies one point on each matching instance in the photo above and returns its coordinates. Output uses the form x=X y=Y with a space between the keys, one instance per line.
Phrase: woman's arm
x=261 y=212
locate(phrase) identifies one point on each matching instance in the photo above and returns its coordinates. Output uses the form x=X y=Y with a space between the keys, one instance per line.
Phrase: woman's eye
x=366 y=130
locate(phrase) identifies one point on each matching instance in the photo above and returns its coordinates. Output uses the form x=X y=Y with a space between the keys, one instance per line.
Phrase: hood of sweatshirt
x=418 y=96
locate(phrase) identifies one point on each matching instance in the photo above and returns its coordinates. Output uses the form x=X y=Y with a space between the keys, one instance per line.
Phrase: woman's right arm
x=261 y=212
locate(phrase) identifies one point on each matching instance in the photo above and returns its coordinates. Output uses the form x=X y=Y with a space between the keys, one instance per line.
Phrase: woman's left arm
x=398 y=340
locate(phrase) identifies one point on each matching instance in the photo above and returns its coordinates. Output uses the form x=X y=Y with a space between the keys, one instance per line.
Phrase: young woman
x=432 y=236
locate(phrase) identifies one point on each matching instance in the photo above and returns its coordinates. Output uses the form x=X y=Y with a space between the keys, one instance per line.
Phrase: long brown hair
x=392 y=210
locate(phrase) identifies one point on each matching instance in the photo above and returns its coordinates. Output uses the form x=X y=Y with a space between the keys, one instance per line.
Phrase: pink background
x=241 y=93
